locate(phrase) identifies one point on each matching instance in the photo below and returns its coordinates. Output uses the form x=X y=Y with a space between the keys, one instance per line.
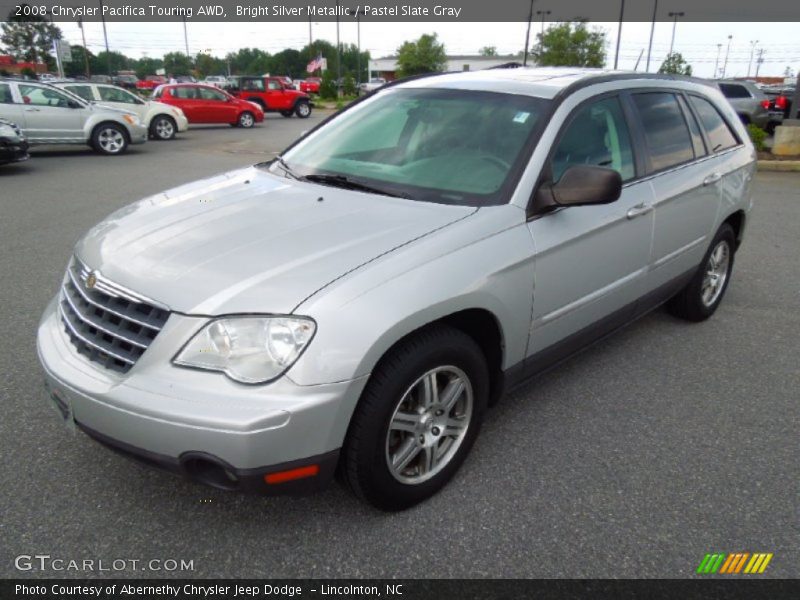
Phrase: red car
x=151 y=82
x=274 y=95
x=208 y=104
x=310 y=85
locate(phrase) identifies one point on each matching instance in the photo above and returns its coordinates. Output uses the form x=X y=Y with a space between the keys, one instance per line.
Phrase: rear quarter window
x=719 y=133
x=732 y=90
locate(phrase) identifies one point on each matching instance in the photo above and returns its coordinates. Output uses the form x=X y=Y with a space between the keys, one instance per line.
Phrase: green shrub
x=349 y=86
x=327 y=89
x=757 y=135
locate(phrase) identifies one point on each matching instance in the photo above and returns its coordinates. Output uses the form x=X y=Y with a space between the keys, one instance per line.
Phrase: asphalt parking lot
x=634 y=459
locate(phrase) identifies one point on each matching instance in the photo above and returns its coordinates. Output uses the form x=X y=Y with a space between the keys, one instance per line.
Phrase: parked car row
x=109 y=118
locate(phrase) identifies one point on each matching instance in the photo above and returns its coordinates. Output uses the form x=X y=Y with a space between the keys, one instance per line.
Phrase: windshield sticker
x=521 y=117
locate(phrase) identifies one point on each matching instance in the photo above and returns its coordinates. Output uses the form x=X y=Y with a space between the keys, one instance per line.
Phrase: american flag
x=314 y=64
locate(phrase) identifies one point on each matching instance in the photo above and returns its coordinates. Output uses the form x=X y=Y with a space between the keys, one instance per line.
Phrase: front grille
x=107 y=323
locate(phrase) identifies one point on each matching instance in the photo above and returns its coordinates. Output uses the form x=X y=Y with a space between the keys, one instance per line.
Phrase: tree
x=206 y=65
x=675 y=65
x=30 y=39
x=116 y=61
x=288 y=62
x=571 y=44
x=148 y=66
x=488 y=51
x=78 y=64
x=177 y=63
x=426 y=55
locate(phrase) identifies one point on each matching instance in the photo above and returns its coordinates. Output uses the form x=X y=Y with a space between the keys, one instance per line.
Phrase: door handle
x=712 y=179
x=31 y=110
x=639 y=210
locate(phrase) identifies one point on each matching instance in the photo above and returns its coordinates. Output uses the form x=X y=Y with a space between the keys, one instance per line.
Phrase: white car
x=162 y=120
x=216 y=80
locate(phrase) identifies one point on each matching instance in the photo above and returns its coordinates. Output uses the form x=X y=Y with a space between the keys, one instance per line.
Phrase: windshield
x=438 y=145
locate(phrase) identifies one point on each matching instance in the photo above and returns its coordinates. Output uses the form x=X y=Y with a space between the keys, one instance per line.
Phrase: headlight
x=132 y=120
x=248 y=349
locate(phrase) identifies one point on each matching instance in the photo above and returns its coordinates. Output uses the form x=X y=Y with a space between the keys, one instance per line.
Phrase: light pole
x=619 y=32
x=752 y=51
x=85 y=51
x=674 y=16
x=186 y=38
x=310 y=41
x=543 y=14
x=652 y=31
x=527 y=36
x=759 y=60
x=727 y=52
x=716 y=62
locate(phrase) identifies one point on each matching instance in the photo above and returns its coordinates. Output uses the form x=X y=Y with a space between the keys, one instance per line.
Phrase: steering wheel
x=499 y=162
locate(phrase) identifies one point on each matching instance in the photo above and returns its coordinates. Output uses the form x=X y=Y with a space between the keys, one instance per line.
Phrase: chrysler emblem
x=91 y=279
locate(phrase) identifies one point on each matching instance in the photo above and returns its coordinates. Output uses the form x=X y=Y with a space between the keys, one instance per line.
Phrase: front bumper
x=185 y=419
x=182 y=122
x=138 y=134
x=13 y=151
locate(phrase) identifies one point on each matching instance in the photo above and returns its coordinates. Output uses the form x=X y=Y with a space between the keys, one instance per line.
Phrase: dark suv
x=273 y=95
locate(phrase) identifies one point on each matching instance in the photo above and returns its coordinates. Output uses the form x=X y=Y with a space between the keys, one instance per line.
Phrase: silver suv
x=48 y=115
x=360 y=301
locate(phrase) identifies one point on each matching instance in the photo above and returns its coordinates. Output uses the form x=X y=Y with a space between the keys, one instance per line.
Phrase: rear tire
x=109 y=139
x=406 y=440
x=703 y=294
x=246 y=120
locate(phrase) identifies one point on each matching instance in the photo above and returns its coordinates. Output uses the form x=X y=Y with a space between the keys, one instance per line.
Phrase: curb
x=779 y=165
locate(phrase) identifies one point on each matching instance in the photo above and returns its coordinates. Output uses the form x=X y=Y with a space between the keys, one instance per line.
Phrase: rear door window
x=5 y=94
x=665 y=130
x=719 y=133
x=184 y=92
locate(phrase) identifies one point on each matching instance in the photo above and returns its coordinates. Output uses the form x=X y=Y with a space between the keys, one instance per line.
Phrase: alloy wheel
x=716 y=273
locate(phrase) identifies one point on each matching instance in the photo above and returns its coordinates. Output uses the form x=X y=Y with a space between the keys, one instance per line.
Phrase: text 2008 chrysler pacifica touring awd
x=358 y=302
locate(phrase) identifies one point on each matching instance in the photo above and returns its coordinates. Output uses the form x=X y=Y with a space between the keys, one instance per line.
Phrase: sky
x=699 y=43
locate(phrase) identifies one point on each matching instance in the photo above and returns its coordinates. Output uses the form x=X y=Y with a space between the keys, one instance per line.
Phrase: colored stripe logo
x=734 y=563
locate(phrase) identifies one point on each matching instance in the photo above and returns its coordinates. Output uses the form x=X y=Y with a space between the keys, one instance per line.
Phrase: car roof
x=543 y=82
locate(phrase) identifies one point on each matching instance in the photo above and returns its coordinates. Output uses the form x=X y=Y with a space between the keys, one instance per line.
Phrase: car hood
x=249 y=241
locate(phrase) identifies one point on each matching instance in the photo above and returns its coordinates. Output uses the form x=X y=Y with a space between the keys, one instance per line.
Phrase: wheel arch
x=737 y=221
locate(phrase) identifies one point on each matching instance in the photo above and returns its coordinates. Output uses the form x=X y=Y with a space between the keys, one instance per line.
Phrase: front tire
x=109 y=139
x=417 y=419
x=163 y=128
x=246 y=120
x=703 y=294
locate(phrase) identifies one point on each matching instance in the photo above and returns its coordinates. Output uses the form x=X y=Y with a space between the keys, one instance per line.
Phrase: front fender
x=361 y=316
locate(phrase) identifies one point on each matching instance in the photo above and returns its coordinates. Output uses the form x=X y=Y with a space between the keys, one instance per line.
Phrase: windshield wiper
x=344 y=182
x=286 y=168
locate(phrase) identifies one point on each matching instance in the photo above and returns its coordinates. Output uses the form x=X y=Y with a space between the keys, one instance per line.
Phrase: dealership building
x=387 y=67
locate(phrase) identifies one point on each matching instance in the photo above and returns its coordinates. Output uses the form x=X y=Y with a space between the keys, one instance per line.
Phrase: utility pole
x=527 y=36
x=716 y=62
x=619 y=32
x=759 y=60
x=186 y=38
x=543 y=13
x=675 y=16
x=727 y=52
x=752 y=50
x=105 y=36
x=310 y=41
x=652 y=31
x=85 y=51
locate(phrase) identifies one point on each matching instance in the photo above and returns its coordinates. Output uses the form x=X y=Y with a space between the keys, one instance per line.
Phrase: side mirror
x=580 y=185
